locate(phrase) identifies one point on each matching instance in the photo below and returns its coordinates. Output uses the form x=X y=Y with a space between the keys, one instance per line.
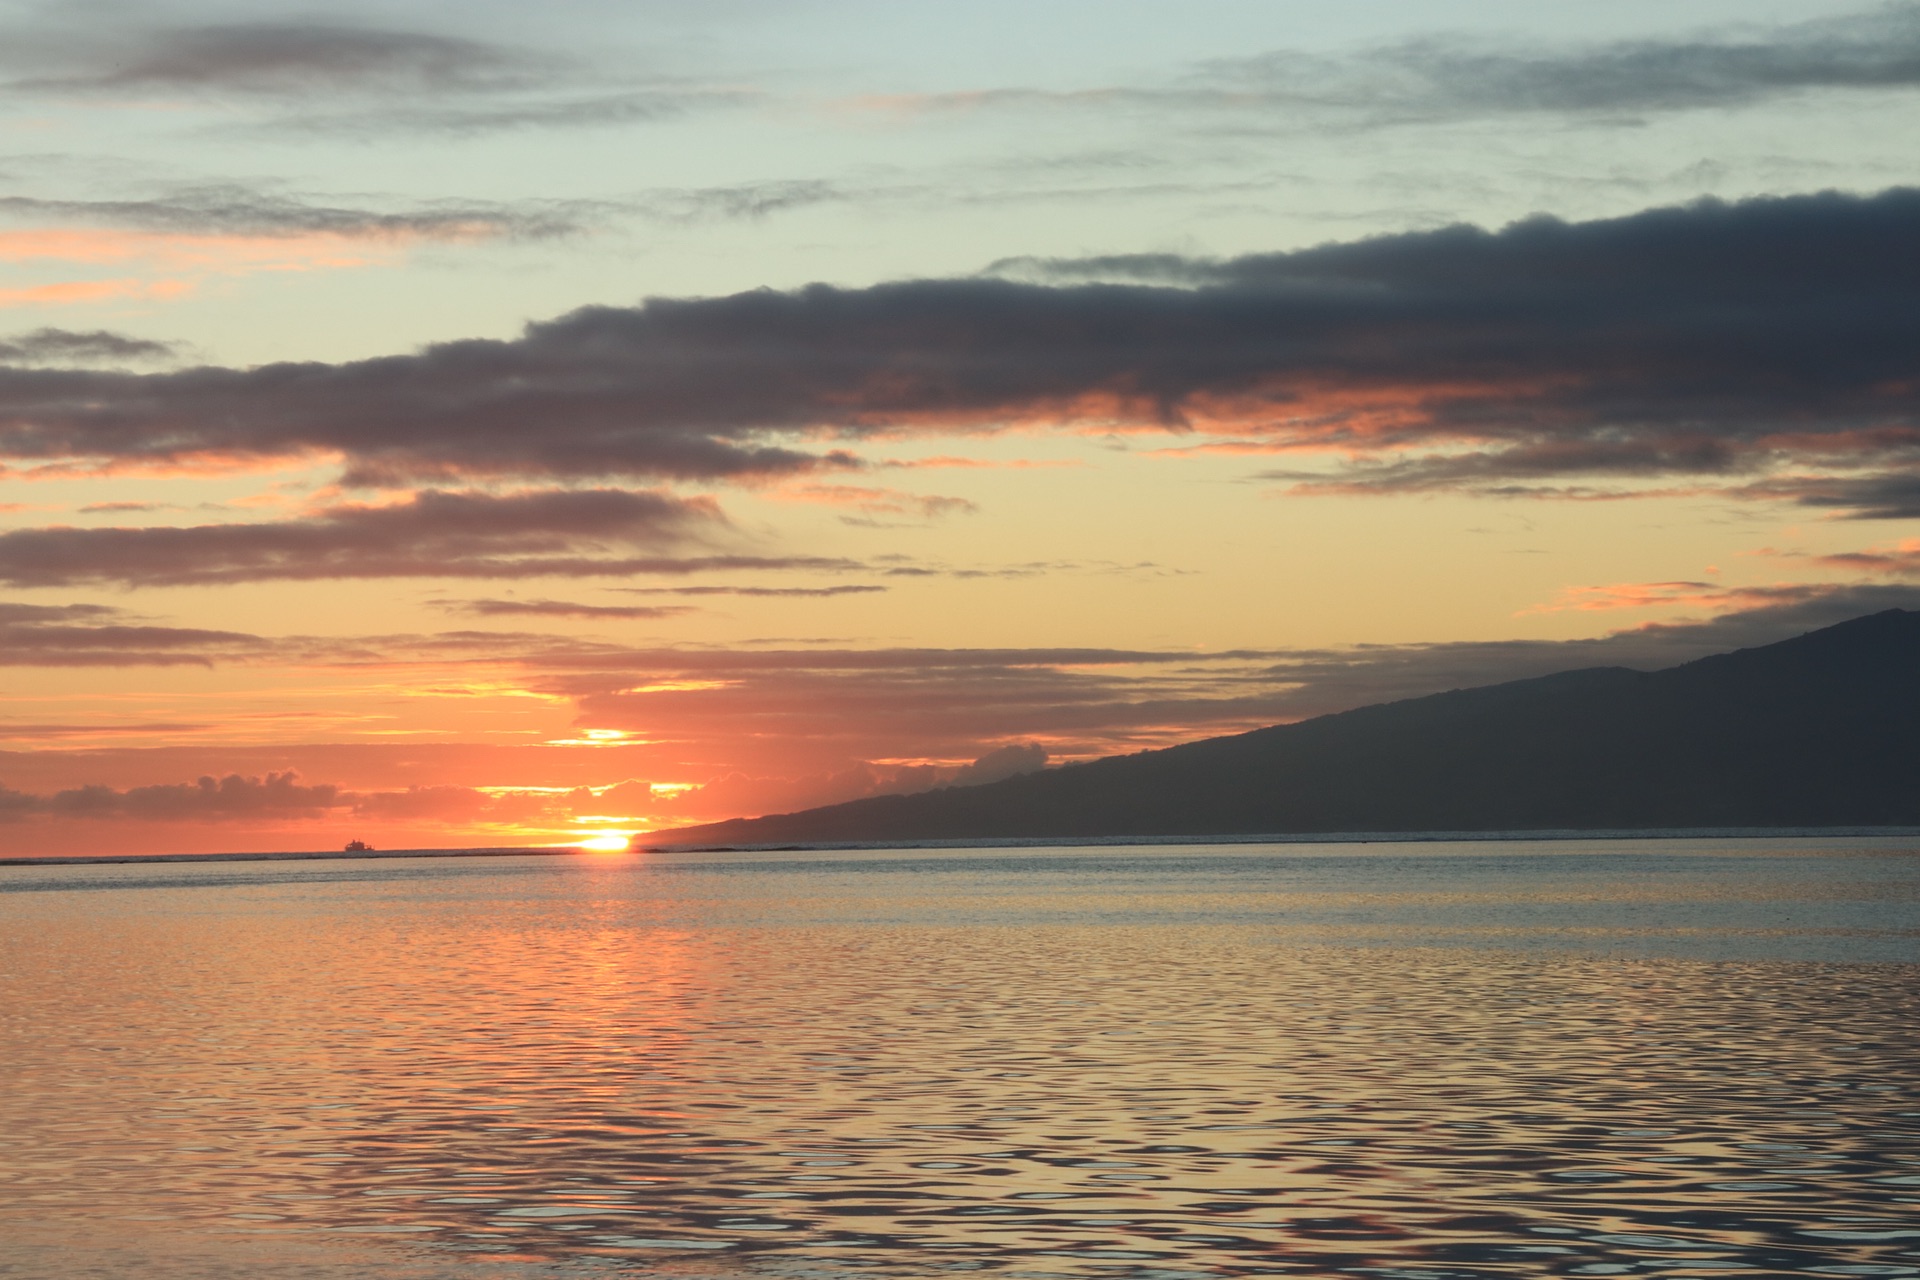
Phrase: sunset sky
x=481 y=424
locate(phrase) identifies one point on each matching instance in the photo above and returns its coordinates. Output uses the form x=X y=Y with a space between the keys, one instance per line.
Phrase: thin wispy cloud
x=428 y=534
x=92 y=635
x=345 y=79
x=848 y=589
x=277 y=59
x=1874 y=50
x=1440 y=78
x=235 y=210
x=568 y=609
x=572 y=111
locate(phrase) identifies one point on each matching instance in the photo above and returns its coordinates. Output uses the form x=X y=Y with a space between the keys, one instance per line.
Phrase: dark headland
x=1819 y=731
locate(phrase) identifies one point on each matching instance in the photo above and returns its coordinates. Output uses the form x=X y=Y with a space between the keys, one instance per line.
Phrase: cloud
x=71 y=347
x=234 y=211
x=873 y=502
x=571 y=609
x=175 y=240
x=91 y=635
x=1874 y=50
x=281 y=59
x=1720 y=342
x=572 y=111
x=1446 y=78
x=850 y=589
x=1902 y=560
x=1894 y=495
x=343 y=78
x=209 y=799
x=71 y=292
x=1002 y=762
x=1711 y=596
x=278 y=798
x=564 y=609
x=749 y=201
x=428 y=534
x=31 y=732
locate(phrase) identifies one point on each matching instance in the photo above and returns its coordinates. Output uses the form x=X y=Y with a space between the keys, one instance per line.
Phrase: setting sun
x=607 y=842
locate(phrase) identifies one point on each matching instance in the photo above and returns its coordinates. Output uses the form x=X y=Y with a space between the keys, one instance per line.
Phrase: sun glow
x=600 y=738
x=607 y=842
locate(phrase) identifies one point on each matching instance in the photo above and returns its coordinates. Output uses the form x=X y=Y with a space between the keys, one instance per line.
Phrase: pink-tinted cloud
x=1711 y=596
x=73 y=292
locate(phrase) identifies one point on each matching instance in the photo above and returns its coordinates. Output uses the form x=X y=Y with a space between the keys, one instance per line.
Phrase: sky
x=455 y=425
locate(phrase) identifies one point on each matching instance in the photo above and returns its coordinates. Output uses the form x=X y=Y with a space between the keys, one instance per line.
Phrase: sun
x=606 y=842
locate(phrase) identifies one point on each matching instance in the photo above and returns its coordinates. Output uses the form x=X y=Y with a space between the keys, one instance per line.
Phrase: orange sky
x=439 y=430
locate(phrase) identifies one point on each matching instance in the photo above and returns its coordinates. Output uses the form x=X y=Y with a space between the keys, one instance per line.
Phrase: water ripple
x=379 y=1082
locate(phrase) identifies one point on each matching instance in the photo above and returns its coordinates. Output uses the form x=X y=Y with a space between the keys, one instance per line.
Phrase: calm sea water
x=1655 y=1058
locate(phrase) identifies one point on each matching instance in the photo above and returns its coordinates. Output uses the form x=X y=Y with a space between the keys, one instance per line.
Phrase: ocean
x=1415 y=1061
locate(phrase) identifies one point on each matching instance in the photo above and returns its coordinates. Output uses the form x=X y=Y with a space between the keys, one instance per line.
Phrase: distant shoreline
x=1064 y=842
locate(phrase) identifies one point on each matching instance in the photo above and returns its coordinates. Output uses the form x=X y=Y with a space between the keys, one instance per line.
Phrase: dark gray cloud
x=1717 y=341
x=91 y=635
x=1893 y=496
x=71 y=347
x=228 y=209
x=429 y=534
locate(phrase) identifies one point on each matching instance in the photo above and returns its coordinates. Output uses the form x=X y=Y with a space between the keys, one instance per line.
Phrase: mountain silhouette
x=1821 y=730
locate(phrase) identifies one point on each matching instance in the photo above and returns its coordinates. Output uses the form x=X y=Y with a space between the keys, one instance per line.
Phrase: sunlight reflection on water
x=1656 y=1060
